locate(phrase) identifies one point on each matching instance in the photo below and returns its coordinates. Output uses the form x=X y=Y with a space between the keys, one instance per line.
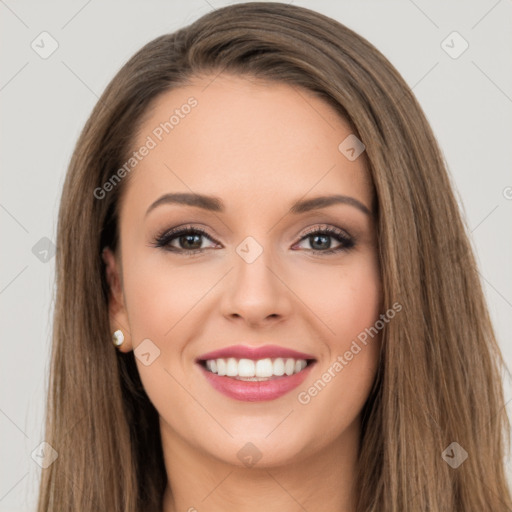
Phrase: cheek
x=346 y=299
x=164 y=305
x=358 y=302
x=160 y=298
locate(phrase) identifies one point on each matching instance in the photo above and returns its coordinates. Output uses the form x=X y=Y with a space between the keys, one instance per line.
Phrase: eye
x=184 y=240
x=188 y=240
x=319 y=240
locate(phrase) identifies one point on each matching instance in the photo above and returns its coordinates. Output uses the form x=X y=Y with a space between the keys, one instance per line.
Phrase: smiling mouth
x=259 y=370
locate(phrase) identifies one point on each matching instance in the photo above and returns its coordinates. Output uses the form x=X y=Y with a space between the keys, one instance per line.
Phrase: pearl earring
x=118 y=338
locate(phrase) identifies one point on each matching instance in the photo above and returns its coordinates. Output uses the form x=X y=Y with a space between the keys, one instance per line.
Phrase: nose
x=256 y=292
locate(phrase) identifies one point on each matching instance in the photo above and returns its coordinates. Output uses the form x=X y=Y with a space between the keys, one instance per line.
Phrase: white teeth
x=247 y=369
x=264 y=368
x=221 y=367
x=232 y=368
x=278 y=367
x=289 y=367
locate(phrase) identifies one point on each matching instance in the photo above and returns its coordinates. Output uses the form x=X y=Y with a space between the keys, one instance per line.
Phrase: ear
x=116 y=304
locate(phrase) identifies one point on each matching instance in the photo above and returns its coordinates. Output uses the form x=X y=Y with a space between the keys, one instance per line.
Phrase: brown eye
x=182 y=240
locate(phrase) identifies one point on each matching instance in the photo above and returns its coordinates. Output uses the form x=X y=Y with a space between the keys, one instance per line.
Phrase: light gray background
x=45 y=103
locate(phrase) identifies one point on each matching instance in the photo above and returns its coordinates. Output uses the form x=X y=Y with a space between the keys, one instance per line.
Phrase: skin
x=259 y=147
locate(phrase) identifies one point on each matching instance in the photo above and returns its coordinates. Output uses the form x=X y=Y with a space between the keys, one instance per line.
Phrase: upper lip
x=255 y=353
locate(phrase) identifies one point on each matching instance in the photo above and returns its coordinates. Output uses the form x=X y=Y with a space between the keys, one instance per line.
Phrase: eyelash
x=163 y=239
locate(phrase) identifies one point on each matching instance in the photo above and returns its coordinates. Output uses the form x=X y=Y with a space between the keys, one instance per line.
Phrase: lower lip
x=252 y=391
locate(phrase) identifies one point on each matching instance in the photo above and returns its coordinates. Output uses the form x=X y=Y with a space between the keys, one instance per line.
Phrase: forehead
x=247 y=140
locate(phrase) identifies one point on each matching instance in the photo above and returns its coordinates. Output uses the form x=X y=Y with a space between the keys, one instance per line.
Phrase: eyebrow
x=214 y=204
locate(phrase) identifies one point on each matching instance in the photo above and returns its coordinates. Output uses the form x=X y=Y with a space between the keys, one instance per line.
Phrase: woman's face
x=260 y=272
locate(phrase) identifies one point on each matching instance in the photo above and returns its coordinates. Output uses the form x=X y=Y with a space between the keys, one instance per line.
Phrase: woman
x=257 y=214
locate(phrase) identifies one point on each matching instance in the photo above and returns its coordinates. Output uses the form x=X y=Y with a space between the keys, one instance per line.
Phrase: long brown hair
x=438 y=380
